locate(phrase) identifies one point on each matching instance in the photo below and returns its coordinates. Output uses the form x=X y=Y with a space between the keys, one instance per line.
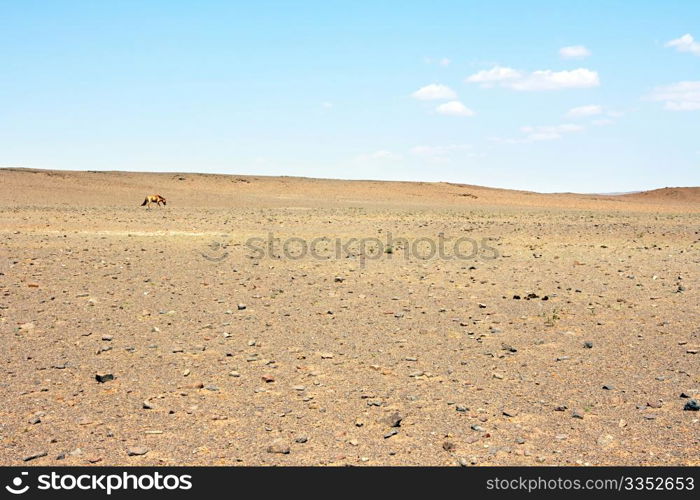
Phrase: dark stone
x=278 y=447
x=103 y=377
x=36 y=455
x=394 y=420
x=692 y=405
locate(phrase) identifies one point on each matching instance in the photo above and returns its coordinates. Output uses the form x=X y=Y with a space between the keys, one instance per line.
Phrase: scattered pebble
x=394 y=420
x=33 y=456
x=137 y=451
x=278 y=446
x=392 y=432
x=104 y=377
x=691 y=405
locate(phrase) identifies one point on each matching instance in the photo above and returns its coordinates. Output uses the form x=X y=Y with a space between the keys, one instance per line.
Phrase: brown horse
x=153 y=198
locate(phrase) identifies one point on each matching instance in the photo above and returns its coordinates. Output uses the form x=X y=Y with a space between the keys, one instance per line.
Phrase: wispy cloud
x=585 y=111
x=603 y=116
x=454 y=108
x=432 y=150
x=548 y=133
x=556 y=80
x=574 y=52
x=441 y=61
x=681 y=96
x=686 y=43
x=536 y=80
x=381 y=155
x=494 y=75
x=434 y=91
x=542 y=133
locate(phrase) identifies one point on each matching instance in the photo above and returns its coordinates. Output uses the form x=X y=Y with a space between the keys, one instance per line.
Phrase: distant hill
x=674 y=194
x=27 y=187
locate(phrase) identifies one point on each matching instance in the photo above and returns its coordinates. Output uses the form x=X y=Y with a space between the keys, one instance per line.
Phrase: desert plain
x=292 y=321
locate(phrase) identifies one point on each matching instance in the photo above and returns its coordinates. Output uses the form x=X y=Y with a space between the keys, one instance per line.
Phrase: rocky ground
x=167 y=336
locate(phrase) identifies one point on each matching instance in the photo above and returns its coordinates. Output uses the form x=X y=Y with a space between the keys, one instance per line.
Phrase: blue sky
x=594 y=96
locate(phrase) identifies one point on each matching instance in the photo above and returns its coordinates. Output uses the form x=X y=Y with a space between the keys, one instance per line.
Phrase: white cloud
x=327 y=105
x=555 y=129
x=605 y=116
x=494 y=75
x=686 y=43
x=542 y=136
x=454 y=108
x=438 y=150
x=583 y=111
x=423 y=150
x=537 y=80
x=574 y=52
x=555 y=80
x=567 y=127
x=681 y=96
x=683 y=106
x=434 y=91
x=381 y=155
x=543 y=133
x=443 y=61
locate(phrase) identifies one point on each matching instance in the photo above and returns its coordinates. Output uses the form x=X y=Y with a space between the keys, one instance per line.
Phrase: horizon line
x=173 y=172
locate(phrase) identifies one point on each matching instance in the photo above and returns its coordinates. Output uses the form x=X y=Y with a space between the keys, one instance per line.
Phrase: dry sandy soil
x=222 y=353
